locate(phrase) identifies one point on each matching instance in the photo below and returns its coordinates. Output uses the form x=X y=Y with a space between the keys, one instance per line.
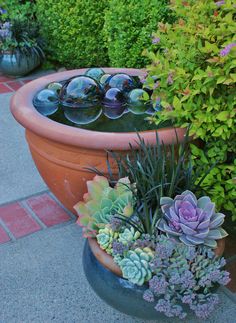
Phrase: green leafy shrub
x=196 y=66
x=73 y=30
x=18 y=9
x=128 y=29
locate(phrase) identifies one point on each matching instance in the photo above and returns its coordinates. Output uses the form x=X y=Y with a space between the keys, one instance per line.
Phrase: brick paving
x=8 y=84
x=30 y=215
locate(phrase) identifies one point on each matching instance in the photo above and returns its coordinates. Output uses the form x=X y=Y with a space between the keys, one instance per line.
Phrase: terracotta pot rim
x=24 y=112
x=108 y=262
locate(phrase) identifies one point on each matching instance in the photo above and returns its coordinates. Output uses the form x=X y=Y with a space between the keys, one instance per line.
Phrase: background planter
x=104 y=276
x=18 y=65
x=61 y=152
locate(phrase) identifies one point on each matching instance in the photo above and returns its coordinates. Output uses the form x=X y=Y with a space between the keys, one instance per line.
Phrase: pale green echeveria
x=193 y=221
x=136 y=265
x=105 y=238
x=102 y=202
x=128 y=235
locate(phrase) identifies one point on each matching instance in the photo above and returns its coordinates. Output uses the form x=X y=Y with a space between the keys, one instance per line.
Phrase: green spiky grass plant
x=157 y=171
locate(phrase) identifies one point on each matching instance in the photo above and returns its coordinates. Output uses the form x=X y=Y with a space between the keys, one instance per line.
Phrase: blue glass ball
x=55 y=86
x=113 y=103
x=95 y=73
x=114 y=97
x=81 y=91
x=138 y=101
x=104 y=79
x=46 y=102
x=121 y=81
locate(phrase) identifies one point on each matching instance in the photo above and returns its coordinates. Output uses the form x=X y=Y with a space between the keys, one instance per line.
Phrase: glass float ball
x=81 y=91
x=121 y=81
x=46 y=102
x=82 y=115
x=114 y=97
x=95 y=73
x=104 y=79
x=138 y=101
x=113 y=103
x=56 y=87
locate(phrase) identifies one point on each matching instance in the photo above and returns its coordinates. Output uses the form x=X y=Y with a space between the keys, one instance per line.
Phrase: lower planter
x=17 y=65
x=104 y=276
x=116 y=291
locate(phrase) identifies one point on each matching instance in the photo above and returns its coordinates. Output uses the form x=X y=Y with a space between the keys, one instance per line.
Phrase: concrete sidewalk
x=18 y=174
x=41 y=274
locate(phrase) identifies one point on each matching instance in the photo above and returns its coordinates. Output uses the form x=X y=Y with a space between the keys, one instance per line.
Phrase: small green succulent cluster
x=128 y=235
x=102 y=202
x=136 y=265
x=105 y=238
x=124 y=237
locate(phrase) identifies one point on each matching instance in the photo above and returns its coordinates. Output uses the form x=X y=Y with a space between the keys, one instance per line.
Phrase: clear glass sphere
x=95 y=73
x=138 y=101
x=121 y=81
x=55 y=86
x=46 y=102
x=81 y=91
x=113 y=103
x=104 y=79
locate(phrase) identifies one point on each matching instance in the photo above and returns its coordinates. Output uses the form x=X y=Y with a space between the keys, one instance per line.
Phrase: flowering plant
x=193 y=75
x=19 y=35
x=171 y=249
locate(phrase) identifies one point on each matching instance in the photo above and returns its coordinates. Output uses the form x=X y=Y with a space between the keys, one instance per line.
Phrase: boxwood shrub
x=128 y=29
x=73 y=31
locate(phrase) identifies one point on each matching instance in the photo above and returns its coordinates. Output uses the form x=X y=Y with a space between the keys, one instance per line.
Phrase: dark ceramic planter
x=104 y=276
x=18 y=65
x=116 y=291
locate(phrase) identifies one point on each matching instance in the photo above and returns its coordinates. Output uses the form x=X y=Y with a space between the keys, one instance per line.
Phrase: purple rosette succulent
x=193 y=221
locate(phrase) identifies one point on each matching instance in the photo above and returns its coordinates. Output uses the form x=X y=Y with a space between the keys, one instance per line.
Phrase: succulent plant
x=105 y=238
x=129 y=235
x=184 y=274
x=135 y=266
x=102 y=202
x=193 y=221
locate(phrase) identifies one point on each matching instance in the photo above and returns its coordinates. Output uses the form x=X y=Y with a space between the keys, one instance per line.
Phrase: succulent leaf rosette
x=193 y=221
x=105 y=238
x=102 y=202
x=129 y=235
x=136 y=265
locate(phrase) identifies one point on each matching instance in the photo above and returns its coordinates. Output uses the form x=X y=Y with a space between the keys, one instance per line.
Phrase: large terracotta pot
x=62 y=152
x=105 y=278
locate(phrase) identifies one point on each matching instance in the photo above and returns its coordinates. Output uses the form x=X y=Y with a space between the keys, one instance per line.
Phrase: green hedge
x=128 y=29
x=18 y=8
x=73 y=31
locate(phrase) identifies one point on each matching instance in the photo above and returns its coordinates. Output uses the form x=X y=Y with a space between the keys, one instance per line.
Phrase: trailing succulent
x=184 y=274
x=192 y=221
x=102 y=202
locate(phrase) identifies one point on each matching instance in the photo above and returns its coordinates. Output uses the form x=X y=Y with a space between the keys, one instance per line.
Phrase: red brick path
x=36 y=213
x=8 y=85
